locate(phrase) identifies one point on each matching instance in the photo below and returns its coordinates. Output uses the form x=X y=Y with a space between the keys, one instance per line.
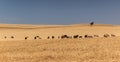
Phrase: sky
x=59 y=11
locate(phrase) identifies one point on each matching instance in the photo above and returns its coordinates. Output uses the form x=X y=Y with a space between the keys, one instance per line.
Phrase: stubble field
x=63 y=50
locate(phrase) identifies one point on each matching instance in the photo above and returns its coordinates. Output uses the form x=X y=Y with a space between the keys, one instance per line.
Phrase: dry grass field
x=66 y=50
x=98 y=49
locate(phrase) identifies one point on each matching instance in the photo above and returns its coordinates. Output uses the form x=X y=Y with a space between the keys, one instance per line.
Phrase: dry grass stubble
x=66 y=50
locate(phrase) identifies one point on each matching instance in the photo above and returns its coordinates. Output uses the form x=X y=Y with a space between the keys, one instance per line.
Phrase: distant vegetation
x=92 y=23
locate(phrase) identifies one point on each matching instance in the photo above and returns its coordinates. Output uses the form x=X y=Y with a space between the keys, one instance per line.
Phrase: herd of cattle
x=74 y=36
x=68 y=37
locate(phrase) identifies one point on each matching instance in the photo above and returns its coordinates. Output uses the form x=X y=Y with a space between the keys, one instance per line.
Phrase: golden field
x=66 y=50
x=20 y=31
x=99 y=49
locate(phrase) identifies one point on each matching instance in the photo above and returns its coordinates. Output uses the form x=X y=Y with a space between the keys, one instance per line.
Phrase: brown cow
x=48 y=37
x=75 y=36
x=12 y=37
x=112 y=35
x=65 y=36
x=96 y=35
x=80 y=36
x=5 y=37
x=106 y=35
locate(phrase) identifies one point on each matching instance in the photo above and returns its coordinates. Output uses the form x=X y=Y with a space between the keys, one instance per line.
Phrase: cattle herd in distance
x=72 y=37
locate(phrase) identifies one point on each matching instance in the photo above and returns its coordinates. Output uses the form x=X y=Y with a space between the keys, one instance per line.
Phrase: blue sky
x=59 y=11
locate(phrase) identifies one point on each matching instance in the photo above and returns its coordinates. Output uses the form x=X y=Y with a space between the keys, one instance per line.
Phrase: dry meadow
x=66 y=50
x=99 y=49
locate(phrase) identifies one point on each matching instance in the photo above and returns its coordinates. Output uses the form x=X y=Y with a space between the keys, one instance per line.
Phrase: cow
x=88 y=36
x=5 y=37
x=65 y=36
x=112 y=35
x=106 y=35
x=48 y=37
x=96 y=35
x=26 y=38
x=75 y=36
x=37 y=37
x=80 y=36
x=53 y=37
x=12 y=37
x=58 y=37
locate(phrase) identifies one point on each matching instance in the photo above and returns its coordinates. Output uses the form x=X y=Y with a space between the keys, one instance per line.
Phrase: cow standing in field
x=75 y=36
x=64 y=36
x=12 y=37
x=96 y=35
x=80 y=36
x=48 y=37
x=106 y=35
x=37 y=37
x=88 y=36
x=53 y=37
x=58 y=37
x=5 y=37
x=112 y=35
x=26 y=38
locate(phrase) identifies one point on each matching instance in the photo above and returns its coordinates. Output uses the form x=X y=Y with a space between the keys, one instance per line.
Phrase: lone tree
x=92 y=23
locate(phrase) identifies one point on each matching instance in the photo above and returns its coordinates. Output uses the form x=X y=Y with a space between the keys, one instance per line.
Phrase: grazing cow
x=75 y=36
x=88 y=36
x=12 y=37
x=58 y=37
x=5 y=37
x=80 y=36
x=96 y=35
x=26 y=38
x=53 y=37
x=112 y=35
x=85 y=36
x=48 y=37
x=106 y=35
x=64 y=36
x=37 y=37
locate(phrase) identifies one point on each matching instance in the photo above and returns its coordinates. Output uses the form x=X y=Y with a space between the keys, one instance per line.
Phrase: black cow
x=53 y=37
x=26 y=38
